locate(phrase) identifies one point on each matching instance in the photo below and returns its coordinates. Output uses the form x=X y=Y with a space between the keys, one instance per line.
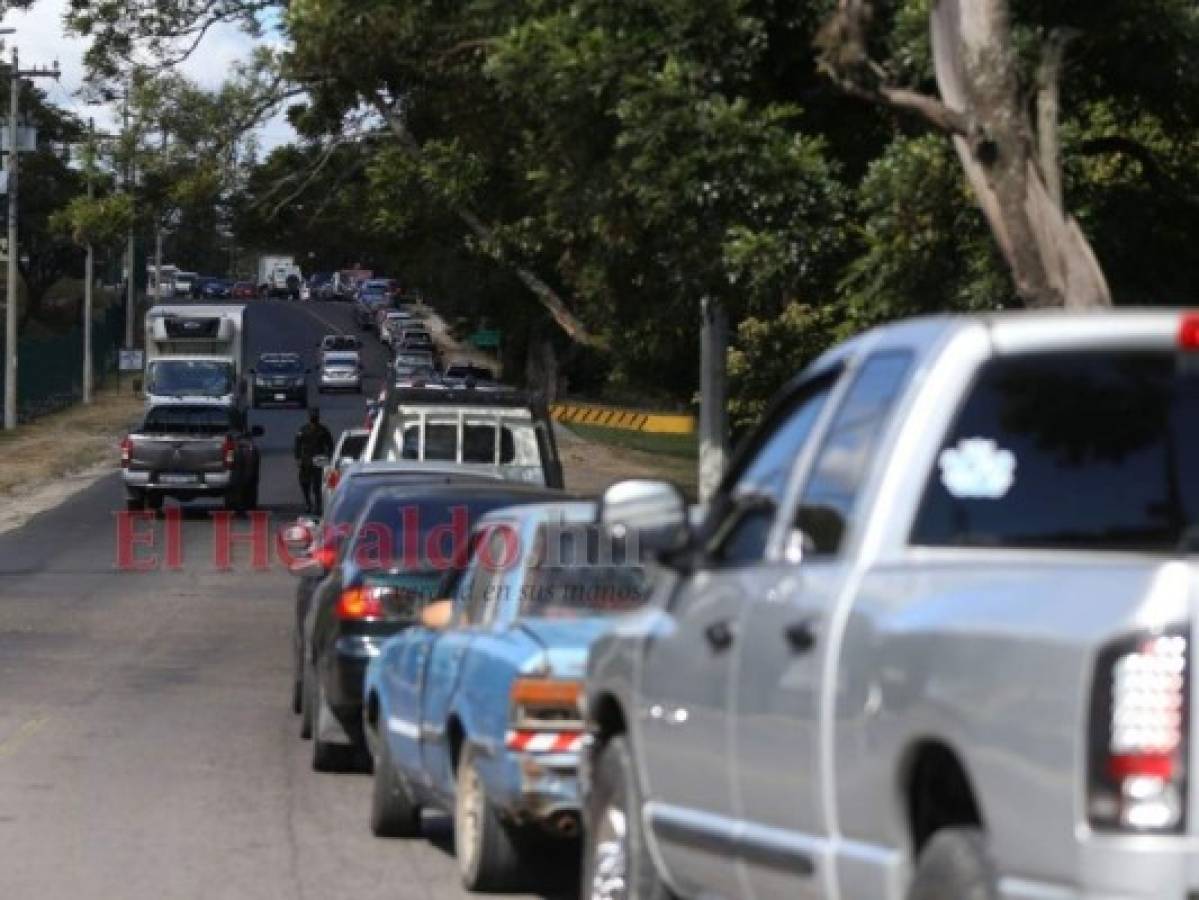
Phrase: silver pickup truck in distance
x=933 y=637
x=188 y=451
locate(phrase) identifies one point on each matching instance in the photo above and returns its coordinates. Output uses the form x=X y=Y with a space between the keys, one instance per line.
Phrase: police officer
x=312 y=440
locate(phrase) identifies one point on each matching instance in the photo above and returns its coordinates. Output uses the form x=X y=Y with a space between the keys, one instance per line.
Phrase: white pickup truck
x=933 y=637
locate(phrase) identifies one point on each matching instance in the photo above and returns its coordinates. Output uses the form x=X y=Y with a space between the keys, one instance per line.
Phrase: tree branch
x=546 y=295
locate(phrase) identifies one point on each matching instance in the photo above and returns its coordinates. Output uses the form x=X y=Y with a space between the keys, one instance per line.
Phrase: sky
x=40 y=40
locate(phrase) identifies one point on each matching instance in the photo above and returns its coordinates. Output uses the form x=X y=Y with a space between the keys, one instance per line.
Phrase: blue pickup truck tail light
x=229 y=452
x=1139 y=734
x=126 y=452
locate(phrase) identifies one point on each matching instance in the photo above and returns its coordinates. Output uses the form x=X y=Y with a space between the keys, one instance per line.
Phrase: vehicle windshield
x=418 y=532
x=199 y=420
x=1092 y=450
x=280 y=366
x=352 y=446
x=341 y=359
x=578 y=571
x=406 y=371
x=190 y=378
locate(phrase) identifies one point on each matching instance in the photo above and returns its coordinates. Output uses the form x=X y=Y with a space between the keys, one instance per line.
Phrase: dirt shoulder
x=591 y=466
x=51 y=458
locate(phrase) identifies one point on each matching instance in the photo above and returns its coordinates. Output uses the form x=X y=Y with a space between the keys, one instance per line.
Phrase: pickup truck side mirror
x=651 y=517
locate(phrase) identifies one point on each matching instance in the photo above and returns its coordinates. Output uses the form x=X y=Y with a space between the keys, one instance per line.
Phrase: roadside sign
x=132 y=360
x=486 y=340
x=26 y=138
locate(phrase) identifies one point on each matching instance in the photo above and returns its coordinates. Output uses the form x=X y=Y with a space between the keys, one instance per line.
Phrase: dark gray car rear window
x=1071 y=450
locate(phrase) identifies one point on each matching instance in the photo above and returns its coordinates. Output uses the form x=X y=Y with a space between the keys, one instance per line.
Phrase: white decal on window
x=977 y=468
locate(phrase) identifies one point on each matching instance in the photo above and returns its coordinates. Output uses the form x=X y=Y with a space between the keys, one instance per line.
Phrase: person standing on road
x=312 y=440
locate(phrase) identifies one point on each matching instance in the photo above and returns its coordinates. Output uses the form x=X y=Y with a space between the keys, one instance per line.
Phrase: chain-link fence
x=50 y=369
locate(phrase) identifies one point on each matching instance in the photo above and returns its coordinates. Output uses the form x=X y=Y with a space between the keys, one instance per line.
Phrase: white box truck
x=279 y=276
x=195 y=351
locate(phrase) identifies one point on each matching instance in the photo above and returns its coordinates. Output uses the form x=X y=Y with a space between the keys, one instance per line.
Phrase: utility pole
x=89 y=274
x=10 y=317
x=130 y=301
x=713 y=391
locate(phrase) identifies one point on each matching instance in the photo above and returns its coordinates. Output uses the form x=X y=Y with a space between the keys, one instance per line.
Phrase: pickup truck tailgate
x=177 y=453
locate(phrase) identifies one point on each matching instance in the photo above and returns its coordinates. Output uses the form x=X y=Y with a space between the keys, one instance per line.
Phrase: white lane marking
x=13 y=742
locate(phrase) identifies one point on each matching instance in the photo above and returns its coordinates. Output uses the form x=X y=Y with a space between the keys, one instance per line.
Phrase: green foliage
x=768 y=352
x=644 y=154
x=99 y=221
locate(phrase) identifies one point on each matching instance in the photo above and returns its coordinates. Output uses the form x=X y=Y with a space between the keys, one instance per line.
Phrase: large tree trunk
x=981 y=107
x=1051 y=261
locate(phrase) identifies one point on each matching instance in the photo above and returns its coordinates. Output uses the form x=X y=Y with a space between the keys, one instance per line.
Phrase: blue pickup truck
x=476 y=711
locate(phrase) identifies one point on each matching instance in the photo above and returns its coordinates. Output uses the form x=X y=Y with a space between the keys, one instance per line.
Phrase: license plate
x=281 y=396
x=178 y=478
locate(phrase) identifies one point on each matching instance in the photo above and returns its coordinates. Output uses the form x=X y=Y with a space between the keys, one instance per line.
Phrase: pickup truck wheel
x=616 y=863
x=135 y=502
x=251 y=496
x=487 y=847
x=955 y=865
x=393 y=814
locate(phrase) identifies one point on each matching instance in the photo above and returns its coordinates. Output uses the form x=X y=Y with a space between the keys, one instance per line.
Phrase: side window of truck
x=759 y=481
x=844 y=459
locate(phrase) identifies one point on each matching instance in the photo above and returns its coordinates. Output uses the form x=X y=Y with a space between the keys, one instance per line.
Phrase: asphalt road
x=147 y=748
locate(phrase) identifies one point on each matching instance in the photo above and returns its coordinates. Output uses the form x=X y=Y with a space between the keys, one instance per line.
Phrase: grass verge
x=683 y=446
x=67 y=441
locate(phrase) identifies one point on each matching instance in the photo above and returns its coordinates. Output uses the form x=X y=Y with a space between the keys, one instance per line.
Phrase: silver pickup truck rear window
x=1088 y=450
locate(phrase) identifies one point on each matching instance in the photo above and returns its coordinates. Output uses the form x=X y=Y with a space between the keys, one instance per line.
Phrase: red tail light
x=333 y=479
x=1188 y=331
x=229 y=452
x=326 y=556
x=359 y=603
x=126 y=453
x=1140 y=733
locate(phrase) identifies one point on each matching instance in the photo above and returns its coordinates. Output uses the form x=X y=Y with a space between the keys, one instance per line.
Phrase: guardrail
x=622 y=418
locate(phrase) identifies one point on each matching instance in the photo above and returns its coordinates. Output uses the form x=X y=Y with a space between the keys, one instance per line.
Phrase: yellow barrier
x=626 y=419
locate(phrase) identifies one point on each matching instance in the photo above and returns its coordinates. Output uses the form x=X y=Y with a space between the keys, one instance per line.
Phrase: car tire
x=617 y=864
x=135 y=502
x=306 y=702
x=250 y=502
x=393 y=812
x=326 y=757
x=154 y=502
x=955 y=864
x=487 y=848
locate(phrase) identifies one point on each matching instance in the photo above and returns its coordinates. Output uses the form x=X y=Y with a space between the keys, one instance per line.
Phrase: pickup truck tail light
x=229 y=452
x=1140 y=733
x=540 y=704
x=332 y=479
x=126 y=452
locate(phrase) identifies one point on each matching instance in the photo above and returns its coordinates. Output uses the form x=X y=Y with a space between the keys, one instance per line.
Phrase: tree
x=1012 y=164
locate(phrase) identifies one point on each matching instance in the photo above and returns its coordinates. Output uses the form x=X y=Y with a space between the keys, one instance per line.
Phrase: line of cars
x=931 y=638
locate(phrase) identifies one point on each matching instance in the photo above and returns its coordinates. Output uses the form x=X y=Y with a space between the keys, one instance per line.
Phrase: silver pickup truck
x=932 y=638
x=191 y=450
